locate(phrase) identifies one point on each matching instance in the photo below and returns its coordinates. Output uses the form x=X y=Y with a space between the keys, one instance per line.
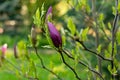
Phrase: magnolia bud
x=54 y=35
x=33 y=35
x=49 y=14
x=3 y=49
x=15 y=51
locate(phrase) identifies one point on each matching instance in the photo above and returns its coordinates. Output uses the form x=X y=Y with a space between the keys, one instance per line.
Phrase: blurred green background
x=16 y=19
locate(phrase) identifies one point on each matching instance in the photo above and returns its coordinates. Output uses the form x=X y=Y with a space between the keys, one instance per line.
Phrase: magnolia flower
x=54 y=35
x=4 y=48
x=49 y=13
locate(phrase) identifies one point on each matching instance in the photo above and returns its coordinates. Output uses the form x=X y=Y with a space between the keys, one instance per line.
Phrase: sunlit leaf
x=99 y=48
x=47 y=46
x=112 y=71
x=63 y=36
x=42 y=11
x=113 y=10
x=118 y=38
x=71 y=26
x=118 y=8
x=36 y=18
x=109 y=25
x=107 y=54
x=101 y=17
x=84 y=34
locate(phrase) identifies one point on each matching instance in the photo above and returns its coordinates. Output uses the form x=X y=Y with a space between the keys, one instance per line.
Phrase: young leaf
x=101 y=17
x=109 y=26
x=84 y=34
x=99 y=48
x=118 y=38
x=114 y=11
x=22 y=49
x=42 y=10
x=118 y=8
x=36 y=18
x=63 y=36
x=47 y=46
x=110 y=47
x=71 y=26
x=109 y=68
x=107 y=54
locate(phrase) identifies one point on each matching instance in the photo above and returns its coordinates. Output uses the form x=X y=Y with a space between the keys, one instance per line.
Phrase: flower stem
x=73 y=70
x=43 y=66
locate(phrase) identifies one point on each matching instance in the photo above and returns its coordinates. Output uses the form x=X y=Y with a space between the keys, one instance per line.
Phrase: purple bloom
x=4 y=48
x=54 y=35
x=49 y=13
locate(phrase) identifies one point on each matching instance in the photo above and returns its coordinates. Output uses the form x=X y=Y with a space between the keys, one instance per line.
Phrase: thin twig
x=80 y=62
x=99 y=61
x=43 y=66
x=85 y=48
x=12 y=64
x=69 y=65
x=113 y=36
x=19 y=70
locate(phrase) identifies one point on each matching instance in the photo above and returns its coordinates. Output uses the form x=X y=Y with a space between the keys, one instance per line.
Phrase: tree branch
x=114 y=29
x=43 y=66
x=85 y=48
x=68 y=65
x=80 y=62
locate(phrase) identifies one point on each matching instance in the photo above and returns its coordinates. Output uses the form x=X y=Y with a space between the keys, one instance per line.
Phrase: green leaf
x=118 y=8
x=109 y=25
x=36 y=18
x=109 y=68
x=110 y=47
x=112 y=71
x=107 y=54
x=47 y=46
x=71 y=26
x=21 y=45
x=102 y=25
x=88 y=8
x=63 y=39
x=101 y=17
x=84 y=34
x=99 y=48
x=63 y=36
x=96 y=68
x=76 y=60
x=32 y=69
x=114 y=10
x=22 y=48
x=118 y=38
x=60 y=68
x=42 y=10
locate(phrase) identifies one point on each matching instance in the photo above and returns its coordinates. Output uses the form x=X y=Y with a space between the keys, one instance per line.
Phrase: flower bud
x=3 y=49
x=49 y=13
x=33 y=35
x=54 y=35
x=15 y=51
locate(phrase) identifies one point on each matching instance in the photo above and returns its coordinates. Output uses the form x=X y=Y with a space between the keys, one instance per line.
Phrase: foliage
x=87 y=26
